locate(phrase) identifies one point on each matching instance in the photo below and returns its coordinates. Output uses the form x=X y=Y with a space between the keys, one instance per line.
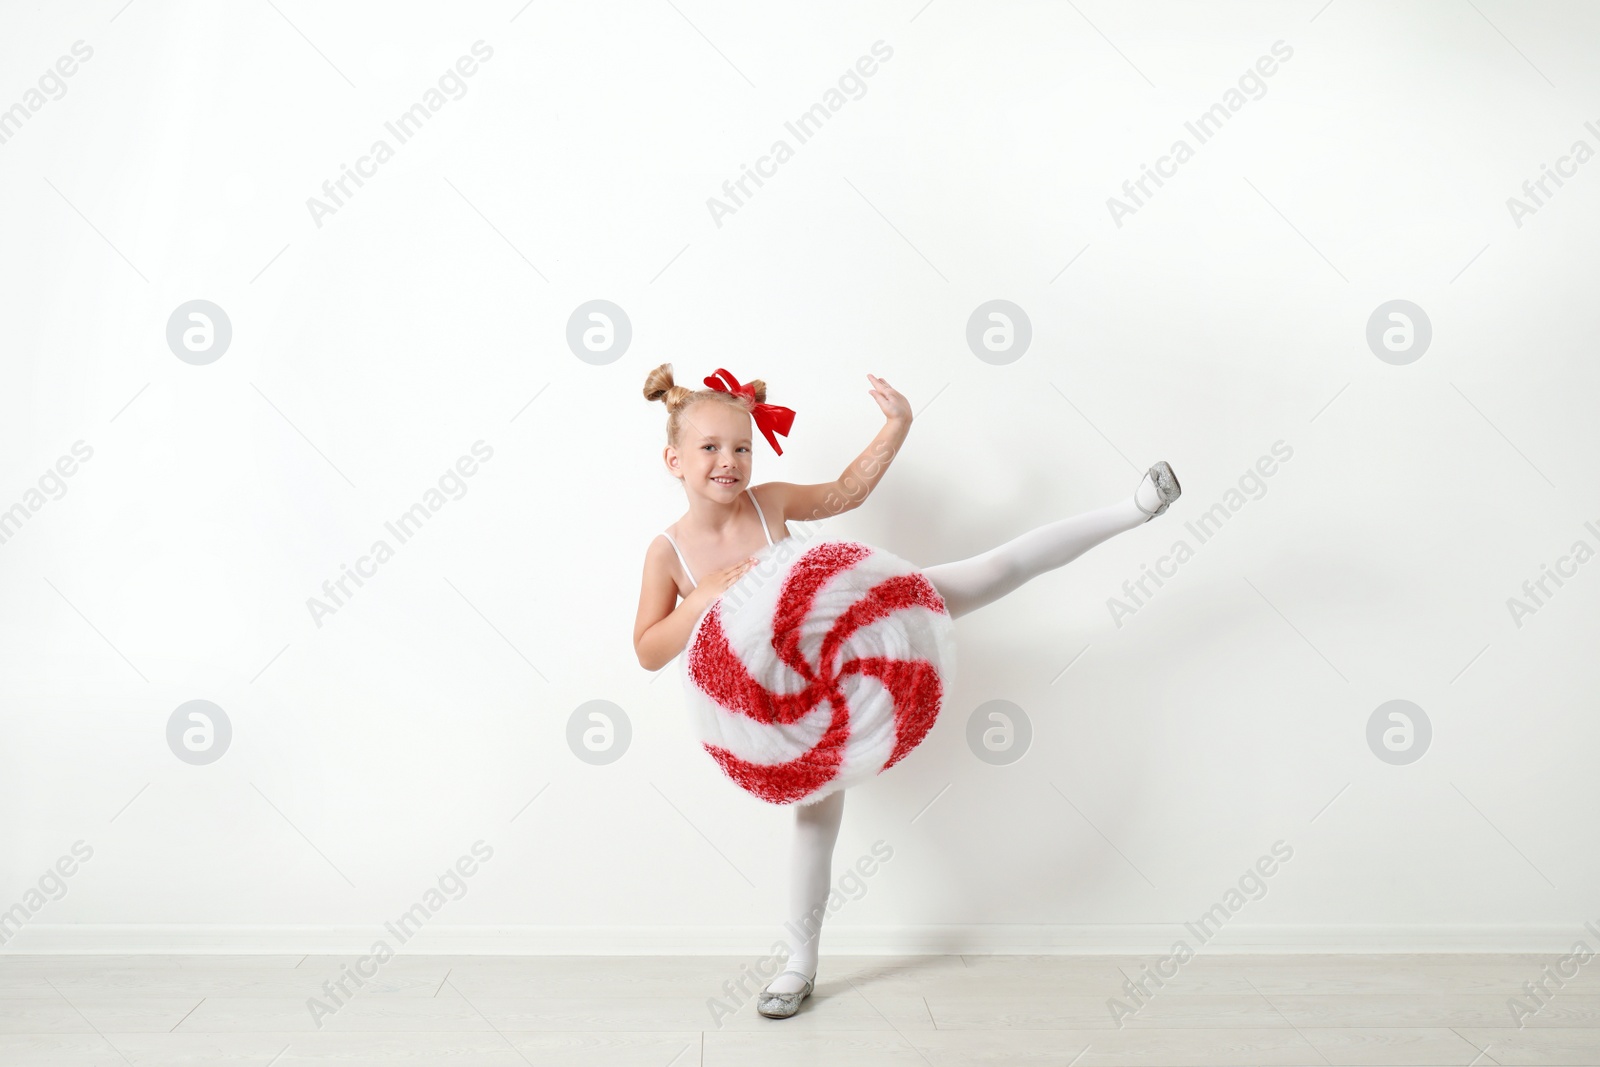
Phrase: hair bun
x=658 y=385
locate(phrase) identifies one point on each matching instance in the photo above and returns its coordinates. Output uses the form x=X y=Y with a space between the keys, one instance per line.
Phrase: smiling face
x=714 y=451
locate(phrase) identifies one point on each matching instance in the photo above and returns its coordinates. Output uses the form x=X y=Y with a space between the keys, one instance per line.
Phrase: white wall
x=429 y=312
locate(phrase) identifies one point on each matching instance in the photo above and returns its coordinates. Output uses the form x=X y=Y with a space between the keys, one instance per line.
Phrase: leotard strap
x=675 y=548
x=751 y=493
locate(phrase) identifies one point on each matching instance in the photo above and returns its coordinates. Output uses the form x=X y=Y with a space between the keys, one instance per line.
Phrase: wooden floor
x=497 y=1011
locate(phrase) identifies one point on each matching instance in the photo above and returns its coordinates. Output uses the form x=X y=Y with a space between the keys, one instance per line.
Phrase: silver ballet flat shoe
x=783 y=1005
x=1167 y=488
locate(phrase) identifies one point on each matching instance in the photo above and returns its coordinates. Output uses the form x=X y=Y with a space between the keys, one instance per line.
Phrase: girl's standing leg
x=816 y=828
x=968 y=584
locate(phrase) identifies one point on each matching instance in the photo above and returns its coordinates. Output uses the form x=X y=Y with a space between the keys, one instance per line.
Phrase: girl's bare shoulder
x=661 y=565
x=658 y=552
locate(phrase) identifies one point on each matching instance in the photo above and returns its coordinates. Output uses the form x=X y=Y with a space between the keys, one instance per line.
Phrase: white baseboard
x=998 y=938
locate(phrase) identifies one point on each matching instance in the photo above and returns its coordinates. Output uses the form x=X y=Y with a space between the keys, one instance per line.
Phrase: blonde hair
x=658 y=385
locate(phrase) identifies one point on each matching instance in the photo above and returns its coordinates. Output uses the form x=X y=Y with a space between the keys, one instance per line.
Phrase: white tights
x=965 y=585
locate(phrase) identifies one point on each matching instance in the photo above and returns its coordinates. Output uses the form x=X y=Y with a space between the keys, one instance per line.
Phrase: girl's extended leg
x=816 y=828
x=968 y=584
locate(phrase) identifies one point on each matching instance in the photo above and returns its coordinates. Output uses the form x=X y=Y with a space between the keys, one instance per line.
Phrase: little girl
x=709 y=449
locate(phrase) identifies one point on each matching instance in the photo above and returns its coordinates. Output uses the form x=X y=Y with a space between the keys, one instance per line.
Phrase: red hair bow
x=770 y=418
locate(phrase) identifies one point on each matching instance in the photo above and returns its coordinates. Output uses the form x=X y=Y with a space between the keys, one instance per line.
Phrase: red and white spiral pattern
x=818 y=669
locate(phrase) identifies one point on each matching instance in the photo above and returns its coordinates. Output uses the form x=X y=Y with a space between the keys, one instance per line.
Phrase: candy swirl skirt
x=821 y=667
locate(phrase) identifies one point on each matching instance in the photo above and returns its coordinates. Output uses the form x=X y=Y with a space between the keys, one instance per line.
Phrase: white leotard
x=679 y=551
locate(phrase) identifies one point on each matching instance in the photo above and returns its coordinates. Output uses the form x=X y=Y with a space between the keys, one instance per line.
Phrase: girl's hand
x=889 y=399
x=717 y=582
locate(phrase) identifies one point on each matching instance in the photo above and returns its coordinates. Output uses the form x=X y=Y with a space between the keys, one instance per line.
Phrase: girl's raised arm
x=827 y=499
